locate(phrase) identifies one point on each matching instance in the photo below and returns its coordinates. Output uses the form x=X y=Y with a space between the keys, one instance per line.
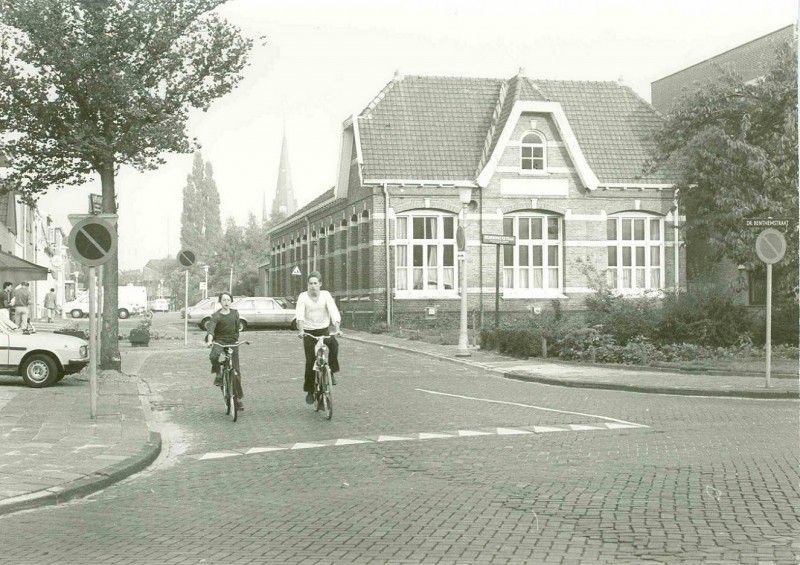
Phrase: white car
x=201 y=312
x=41 y=359
x=159 y=305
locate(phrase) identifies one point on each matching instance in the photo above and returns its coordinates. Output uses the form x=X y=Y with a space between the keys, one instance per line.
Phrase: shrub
x=705 y=316
x=578 y=343
x=624 y=317
x=785 y=325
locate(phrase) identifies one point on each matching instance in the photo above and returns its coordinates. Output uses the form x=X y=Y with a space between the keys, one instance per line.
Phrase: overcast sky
x=324 y=60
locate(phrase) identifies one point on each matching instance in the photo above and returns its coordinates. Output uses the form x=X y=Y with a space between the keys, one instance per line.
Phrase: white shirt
x=317 y=314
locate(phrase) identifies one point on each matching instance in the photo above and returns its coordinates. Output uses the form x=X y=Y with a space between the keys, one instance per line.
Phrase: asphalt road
x=426 y=461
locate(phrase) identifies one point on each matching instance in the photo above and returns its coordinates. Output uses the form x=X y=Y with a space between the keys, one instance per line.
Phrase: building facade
x=555 y=166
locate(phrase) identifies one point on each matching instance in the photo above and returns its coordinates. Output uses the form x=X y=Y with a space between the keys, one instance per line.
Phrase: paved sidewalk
x=51 y=451
x=611 y=377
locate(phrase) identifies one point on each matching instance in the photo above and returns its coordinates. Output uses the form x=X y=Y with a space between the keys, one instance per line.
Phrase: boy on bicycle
x=314 y=313
x=224 y=328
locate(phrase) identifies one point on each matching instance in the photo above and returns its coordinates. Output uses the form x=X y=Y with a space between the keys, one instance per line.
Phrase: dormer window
x=532 y=156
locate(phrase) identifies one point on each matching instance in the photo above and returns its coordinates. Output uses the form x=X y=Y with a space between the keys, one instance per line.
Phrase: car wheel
x=76 y=313
x=204 y=323
x=123 y=313
x=39 y=371
x=242 y=325
x=293 y=325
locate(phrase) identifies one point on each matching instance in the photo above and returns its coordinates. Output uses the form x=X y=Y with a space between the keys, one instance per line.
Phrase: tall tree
x=212 y=224
x=734 y=147
x=192 y=215
x=89 y=85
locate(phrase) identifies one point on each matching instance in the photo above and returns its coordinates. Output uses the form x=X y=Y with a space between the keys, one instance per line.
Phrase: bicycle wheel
x=226 y=390
x=327 y=393
x=319 y=387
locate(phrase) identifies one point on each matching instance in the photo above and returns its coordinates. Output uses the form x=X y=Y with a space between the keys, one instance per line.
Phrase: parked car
x=159 y=305
x=201 y=312
x=263 y=311
x=41 y=359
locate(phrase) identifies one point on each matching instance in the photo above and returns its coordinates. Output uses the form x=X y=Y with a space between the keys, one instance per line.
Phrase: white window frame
x=635 y=278
x=518 y=273
x=405 y=243
x=532 y=146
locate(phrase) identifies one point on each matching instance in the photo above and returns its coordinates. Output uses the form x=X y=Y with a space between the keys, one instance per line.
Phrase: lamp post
x=205 y=289
x=464 y=196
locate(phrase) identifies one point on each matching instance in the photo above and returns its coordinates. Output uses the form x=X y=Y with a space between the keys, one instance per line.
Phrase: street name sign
x=766 y=223
x=490 y=238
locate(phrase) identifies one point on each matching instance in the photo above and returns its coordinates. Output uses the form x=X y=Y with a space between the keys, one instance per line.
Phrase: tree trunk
x=109 y=332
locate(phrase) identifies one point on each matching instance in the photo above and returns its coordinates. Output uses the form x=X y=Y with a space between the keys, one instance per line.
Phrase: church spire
x=284 y=203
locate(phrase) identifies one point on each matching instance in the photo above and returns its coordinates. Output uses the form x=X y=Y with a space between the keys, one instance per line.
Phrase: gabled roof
x=446 y=128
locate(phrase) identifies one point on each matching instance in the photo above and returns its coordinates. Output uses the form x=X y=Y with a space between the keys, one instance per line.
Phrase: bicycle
x=323 y=378
x=226 y=371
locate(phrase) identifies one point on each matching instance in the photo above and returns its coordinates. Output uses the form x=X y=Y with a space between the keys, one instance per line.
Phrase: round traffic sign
x=92 y=242
x=186 y=257
x=770 y=246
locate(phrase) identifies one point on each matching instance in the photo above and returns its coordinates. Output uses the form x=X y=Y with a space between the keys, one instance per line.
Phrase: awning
x=16 y=270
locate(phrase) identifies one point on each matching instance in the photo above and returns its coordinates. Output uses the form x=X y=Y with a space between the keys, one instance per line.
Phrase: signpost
x=770 y=248
x=497 y=241
x=186 y=258
x=92 y=242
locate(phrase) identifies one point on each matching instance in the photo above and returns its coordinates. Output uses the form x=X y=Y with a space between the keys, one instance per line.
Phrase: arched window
x=532 y=155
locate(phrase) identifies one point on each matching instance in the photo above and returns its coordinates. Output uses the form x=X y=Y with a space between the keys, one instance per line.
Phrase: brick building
x=557 y=165
x=750 y=60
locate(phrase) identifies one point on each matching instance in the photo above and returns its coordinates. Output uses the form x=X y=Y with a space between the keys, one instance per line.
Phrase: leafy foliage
x=89 y=85
x=734 y=146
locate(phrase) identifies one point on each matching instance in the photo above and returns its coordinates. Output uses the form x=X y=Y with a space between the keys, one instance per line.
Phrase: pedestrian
x=5 y=301
x=224 y=328
x=22 y=302
x=50 y=304
x=315 y=312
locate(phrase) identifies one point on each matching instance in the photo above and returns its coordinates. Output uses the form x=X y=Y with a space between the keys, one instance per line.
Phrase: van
x=130 y=300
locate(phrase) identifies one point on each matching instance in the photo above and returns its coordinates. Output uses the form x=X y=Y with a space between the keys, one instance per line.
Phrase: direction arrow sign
x=770 y=246
x=92 y=241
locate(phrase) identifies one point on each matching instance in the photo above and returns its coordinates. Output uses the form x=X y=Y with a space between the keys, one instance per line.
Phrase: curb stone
x=89 y=484
x=685 y=391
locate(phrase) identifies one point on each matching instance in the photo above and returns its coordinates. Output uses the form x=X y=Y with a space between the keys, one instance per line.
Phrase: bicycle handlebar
x=237 y=344
x=322 y=337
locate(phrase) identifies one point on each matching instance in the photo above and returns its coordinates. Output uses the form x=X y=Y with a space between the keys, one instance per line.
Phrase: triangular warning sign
x=296 y=271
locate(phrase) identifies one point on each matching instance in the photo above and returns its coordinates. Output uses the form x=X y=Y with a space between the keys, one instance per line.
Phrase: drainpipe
x=386 y=252
x=675 y=247
x=480 y=254
x=308 y=249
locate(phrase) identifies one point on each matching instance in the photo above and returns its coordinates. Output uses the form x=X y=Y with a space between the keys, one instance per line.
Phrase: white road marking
x=530 y=406
x=420 y=436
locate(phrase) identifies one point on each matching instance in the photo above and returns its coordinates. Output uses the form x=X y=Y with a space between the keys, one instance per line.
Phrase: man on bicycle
x=224 y=328
x=315 y=312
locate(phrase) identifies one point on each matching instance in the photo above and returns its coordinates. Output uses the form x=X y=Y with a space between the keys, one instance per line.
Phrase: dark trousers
x=216 y=351
x=308 y=347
